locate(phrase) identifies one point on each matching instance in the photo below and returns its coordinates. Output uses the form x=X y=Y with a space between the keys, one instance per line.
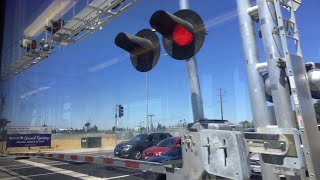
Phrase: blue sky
x=84 y=81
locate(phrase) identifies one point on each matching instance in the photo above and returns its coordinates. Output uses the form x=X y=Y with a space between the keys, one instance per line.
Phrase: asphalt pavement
x=38 y=168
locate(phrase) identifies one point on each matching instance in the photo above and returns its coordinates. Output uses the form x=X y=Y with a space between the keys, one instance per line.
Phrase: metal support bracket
x=224 y=153
x=279 y=147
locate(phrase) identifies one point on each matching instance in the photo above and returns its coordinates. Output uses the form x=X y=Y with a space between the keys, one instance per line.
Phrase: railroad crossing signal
x=120 y=111
x=144 y=48
x=183 y=32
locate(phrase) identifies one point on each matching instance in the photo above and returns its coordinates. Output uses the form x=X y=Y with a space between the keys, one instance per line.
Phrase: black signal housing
x=144 y=48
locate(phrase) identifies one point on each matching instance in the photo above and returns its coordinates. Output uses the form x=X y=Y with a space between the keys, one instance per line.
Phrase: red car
x=161 y=147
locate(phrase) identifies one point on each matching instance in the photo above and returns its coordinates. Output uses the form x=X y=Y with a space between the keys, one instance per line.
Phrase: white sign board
x=29 y=130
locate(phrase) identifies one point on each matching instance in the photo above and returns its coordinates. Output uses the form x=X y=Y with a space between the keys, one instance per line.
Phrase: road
x=47 y=169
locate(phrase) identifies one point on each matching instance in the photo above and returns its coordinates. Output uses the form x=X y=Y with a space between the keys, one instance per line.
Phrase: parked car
x=133 y=149
x=174 y=153
x=161 y=147
x=255 y=164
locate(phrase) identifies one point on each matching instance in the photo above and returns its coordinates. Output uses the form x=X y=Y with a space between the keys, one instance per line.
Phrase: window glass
x=138 y=137
x=151 y=137
x=82 y=75
x=173 y=152
x=167 y=142
x=163 y=136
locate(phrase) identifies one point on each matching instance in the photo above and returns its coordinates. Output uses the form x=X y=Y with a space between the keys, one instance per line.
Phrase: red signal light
x=181 y=36
x=183 y=32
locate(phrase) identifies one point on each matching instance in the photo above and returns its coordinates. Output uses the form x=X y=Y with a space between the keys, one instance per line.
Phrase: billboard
x=24 y=136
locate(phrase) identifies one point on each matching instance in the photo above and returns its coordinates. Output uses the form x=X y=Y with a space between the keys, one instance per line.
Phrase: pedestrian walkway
x=4 y=175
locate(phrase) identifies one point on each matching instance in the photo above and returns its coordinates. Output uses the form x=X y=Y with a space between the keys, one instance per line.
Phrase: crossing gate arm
x=143 y=166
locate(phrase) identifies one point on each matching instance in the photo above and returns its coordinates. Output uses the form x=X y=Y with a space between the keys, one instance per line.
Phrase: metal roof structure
x=92 y=17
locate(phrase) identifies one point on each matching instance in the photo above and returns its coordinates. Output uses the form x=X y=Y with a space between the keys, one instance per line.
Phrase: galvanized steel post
x=258 y=101
x=196 y=98
x=277 y=75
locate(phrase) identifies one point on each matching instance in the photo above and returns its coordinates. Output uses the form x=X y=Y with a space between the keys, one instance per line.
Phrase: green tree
x=317 y=110
x=87 y=126
x=94 y=128
x=158 y=126
x=246 y=124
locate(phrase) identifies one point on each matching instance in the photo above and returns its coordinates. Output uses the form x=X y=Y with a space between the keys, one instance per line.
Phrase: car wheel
x=136 y=155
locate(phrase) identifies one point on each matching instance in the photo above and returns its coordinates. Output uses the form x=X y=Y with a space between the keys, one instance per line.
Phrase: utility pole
x=151 y=125
x=221 y=94
x=147 y=120
x=141 y=125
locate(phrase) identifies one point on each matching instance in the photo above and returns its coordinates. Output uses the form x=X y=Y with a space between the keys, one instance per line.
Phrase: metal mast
x=221 y=102
x=258 y=100
x=277 y=75
x=196 y=98
x=280 y=63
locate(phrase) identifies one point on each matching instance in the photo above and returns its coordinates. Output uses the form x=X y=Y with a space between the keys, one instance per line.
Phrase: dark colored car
x=161 y=147
x=174 y=153
x=255 y=164
x=133 y=149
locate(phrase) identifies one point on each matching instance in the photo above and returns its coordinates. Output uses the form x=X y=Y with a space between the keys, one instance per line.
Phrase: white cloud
x=35 y=91
x=221 y=19
x=108 y=63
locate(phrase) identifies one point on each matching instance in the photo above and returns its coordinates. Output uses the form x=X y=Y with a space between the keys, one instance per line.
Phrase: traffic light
x=120 y=111
x=144 y=48
x=33 y=44
x=56 y=26
x=28 y=44
x=183 y=32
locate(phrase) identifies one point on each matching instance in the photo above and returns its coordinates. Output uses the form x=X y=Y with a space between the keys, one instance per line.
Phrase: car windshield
x=167 y=142
x=139 y=137
x=173 y=152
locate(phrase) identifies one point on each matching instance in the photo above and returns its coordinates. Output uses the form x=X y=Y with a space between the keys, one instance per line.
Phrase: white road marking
x=45 y=174
x=55 y=170
x=30 y=166
x=60 y=170
x=16 y=175
x=15 y=165
x=116 y=177
x=44 y=162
